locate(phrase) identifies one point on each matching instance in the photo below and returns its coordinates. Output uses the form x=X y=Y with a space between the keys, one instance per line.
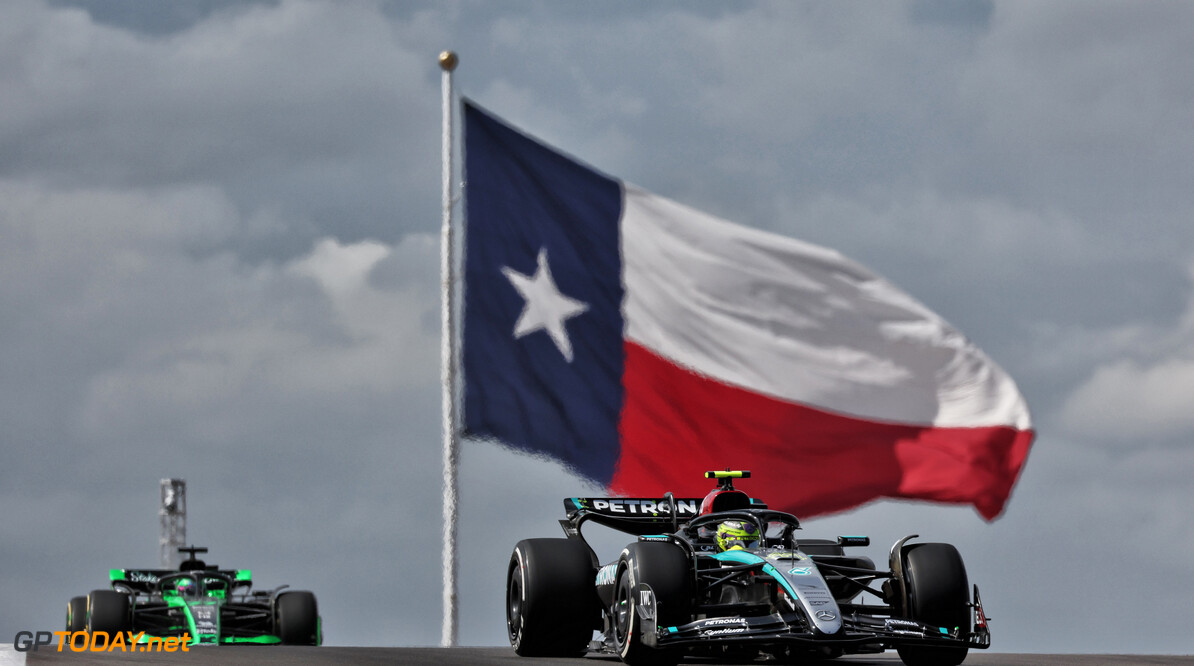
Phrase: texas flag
x=641 y=342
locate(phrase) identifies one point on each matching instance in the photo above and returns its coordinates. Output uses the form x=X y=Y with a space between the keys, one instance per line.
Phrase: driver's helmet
x=736 y=534
x=185 y=587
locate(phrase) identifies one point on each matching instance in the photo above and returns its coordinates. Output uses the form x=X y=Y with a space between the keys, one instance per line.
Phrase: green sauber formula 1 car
x=206 y=604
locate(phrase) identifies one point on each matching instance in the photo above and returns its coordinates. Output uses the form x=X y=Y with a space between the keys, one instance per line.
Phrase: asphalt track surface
x=497 y=656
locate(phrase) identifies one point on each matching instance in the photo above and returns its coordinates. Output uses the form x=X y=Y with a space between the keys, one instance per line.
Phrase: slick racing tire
x=296 y=618
x=666 y=569
x=76 y=614
x=939 y=595
x=108 y=611
x=551 y=601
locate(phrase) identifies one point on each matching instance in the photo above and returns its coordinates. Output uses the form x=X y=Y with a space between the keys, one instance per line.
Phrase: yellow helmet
x=736 y=534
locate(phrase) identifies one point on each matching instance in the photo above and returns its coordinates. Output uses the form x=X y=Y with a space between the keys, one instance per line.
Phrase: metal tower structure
x=173 y=513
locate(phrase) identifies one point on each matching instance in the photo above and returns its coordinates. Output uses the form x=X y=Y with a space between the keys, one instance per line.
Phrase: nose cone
x=802 y=578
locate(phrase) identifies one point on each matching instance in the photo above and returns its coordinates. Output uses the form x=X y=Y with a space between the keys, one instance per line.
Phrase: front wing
x=860 y=633
x=206 y=623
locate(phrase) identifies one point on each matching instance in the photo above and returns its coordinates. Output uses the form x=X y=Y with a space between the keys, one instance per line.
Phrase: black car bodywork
x=673 y=593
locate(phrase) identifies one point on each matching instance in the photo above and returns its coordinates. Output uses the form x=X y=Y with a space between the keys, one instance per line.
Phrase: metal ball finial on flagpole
x=448 y=365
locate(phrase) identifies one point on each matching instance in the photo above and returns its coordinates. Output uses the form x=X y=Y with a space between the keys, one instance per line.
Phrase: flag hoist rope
x=448 y=364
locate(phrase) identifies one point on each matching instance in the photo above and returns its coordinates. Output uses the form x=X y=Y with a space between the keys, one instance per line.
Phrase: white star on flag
x=546 y=308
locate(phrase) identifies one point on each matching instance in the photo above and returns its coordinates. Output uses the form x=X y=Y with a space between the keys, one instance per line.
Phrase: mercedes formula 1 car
x=205 y=604
x=725 y=577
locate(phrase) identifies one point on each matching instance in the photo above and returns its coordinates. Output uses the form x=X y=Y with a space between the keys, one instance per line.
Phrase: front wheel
x=296 y=618
x=628 y=629
x=666 y=569
x=938 y=594
x=108 y=611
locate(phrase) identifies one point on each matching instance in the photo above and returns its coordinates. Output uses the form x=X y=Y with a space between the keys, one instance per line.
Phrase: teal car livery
x=727 y=578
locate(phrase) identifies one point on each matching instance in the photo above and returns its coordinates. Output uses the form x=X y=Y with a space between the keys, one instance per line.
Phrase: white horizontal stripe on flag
x=798 y=322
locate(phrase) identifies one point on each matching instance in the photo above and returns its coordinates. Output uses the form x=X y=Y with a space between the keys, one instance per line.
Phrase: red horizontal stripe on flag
x=676 y=424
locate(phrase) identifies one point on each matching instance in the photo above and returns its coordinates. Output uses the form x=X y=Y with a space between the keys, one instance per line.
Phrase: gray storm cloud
x=219 y=261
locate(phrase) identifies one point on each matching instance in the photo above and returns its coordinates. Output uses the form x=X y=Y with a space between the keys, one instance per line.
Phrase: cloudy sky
x=219 y=261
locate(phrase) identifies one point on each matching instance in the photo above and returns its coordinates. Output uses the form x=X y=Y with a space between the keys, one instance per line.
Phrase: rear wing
x=633 y=515
x=146 y=580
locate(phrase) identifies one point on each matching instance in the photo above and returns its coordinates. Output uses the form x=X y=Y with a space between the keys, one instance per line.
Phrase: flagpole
x=447 y=63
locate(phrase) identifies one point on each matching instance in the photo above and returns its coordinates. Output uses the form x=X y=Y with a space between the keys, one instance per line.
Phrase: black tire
x=551 y=598
x=665 y=567
x=938 y=593
x=108 y=611
x=76 y=614
x=296 y=618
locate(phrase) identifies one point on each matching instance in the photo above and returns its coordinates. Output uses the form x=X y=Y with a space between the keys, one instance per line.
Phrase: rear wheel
x=665 y=568
x=76 y=614
x=108 y=611
x=551 y=601
x=939 y=595
x=296 y=618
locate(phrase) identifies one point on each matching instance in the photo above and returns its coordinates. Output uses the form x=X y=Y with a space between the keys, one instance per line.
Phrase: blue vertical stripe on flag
x=523 y=200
